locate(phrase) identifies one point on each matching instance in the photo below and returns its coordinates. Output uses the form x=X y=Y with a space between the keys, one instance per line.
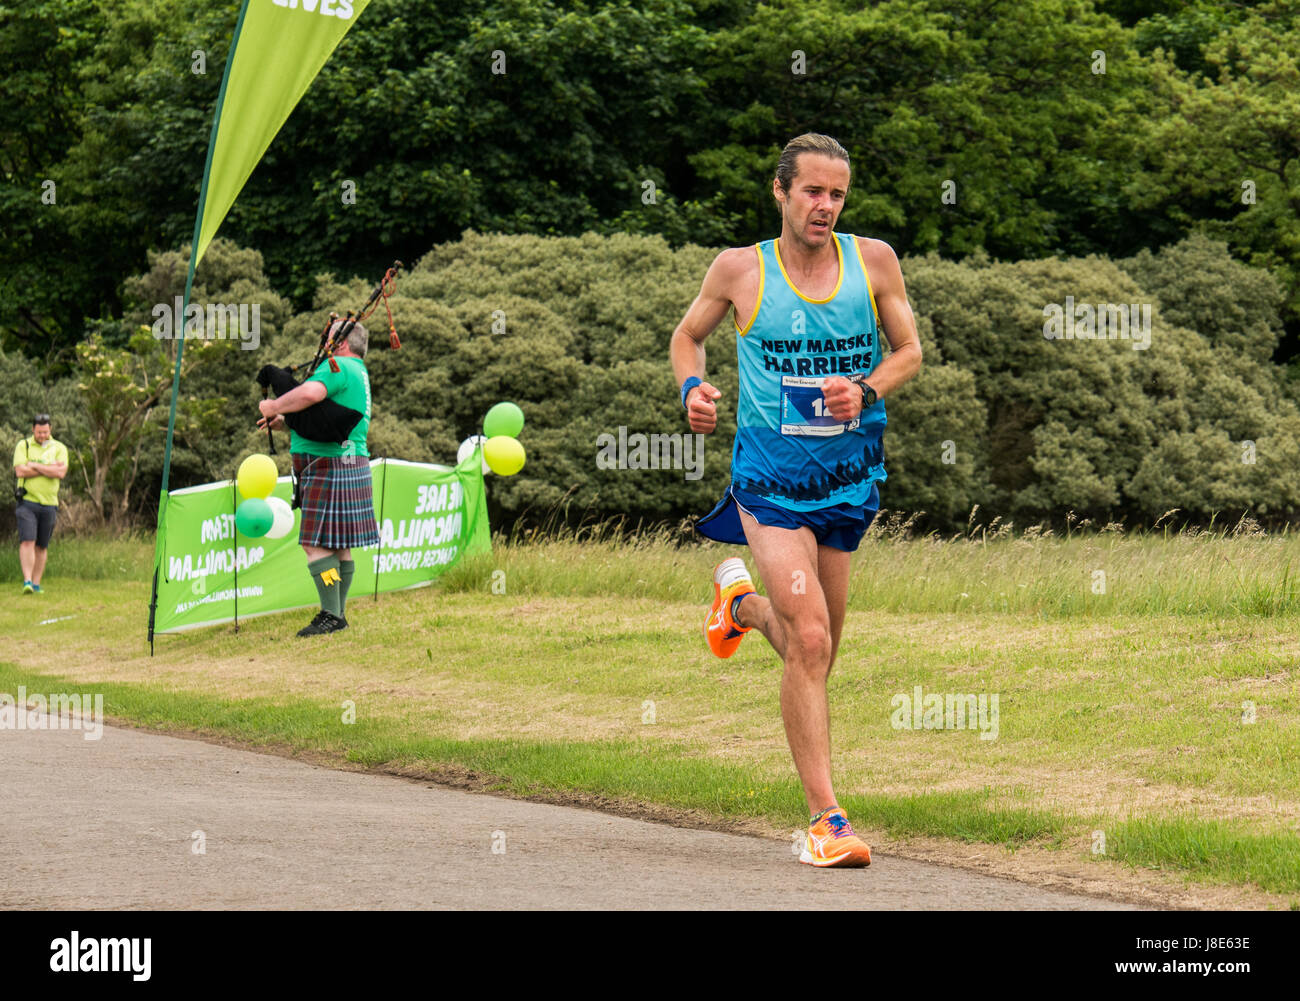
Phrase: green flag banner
x=278 y=48
x=429 y=517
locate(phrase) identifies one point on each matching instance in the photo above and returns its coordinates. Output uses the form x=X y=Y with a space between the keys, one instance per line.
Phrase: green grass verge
x=671 y=774
x=1173 y=684
x=1213 y=849
x=975 y=816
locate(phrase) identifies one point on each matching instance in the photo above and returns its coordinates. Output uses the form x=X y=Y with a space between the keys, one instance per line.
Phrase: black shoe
x=325 y=622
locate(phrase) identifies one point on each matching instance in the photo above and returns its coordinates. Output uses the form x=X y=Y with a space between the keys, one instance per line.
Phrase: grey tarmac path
x=111 y=824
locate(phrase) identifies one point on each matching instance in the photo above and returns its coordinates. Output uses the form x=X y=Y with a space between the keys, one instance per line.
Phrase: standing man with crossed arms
x=40 y=463
x=809 y=310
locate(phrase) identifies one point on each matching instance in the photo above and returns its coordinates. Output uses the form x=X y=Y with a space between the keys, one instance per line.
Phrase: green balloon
x=254 y=517
x=503 y=419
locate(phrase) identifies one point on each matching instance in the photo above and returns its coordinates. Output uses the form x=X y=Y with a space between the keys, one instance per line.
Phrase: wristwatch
x=869 y=396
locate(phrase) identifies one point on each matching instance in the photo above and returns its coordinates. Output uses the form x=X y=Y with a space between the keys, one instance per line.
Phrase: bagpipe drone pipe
x=328 y=421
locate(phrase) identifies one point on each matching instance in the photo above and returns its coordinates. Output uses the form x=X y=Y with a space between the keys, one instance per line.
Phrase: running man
x=809 y=310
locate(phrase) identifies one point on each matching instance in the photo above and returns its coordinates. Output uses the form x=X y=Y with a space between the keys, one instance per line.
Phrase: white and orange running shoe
x=730 y=579
x=831 y=842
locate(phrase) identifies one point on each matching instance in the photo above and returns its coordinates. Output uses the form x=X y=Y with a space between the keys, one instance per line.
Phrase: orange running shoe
x=730 y=578
x=831 y=842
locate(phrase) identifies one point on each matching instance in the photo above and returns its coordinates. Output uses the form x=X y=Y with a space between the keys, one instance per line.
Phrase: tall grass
x=90 y=557
x=1226 y=572
x=1234 y=572
x=1238 y=571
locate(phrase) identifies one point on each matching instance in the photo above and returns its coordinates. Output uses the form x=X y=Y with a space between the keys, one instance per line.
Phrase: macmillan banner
x=429 y=516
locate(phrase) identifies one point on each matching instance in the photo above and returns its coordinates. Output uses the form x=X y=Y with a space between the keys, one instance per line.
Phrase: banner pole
x=379 y=557
x=234 y=508
x=180 y=335
x=171 y=426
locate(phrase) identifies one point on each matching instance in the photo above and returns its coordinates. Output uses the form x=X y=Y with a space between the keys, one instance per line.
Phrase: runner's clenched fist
x=843 y=398
x=701 y=410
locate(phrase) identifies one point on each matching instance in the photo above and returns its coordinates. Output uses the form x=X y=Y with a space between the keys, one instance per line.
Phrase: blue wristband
x=687 y=386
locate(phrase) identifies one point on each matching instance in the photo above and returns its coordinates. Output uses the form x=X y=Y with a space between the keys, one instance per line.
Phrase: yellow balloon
x=504 y=455
x=256 y=476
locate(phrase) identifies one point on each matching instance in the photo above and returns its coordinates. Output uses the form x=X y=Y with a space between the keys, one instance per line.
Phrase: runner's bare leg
x=833 y=574
x=797 y=622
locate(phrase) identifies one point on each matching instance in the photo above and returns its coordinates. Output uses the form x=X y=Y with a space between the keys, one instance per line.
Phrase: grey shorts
x=36 y=522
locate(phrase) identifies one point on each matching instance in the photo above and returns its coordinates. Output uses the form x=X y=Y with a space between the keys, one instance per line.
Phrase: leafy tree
x=995 y=104
x=936 y=452
x=1223 y=153
x=1183 y=30
x=556 y=326
x=42 y=44
x=1202 y=287
x=575 y=330
x=599 y=100
x=437 y=142
x=218 y=395
x=113 y=113
x=1100 y=427
x=120 y=390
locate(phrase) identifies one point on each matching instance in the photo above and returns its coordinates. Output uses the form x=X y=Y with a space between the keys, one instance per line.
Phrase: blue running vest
x=789 y=449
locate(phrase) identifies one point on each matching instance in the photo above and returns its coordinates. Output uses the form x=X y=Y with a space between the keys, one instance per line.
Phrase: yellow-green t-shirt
x=40 y=489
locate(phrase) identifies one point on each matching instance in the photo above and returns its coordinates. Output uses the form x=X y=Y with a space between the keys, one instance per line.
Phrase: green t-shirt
x=40 y=489
x=348 y=387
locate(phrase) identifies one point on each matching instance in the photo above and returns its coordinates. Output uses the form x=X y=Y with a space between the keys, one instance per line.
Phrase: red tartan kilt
x=338 y=508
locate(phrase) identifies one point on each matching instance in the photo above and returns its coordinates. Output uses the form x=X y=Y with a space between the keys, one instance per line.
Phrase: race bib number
x=803 y=409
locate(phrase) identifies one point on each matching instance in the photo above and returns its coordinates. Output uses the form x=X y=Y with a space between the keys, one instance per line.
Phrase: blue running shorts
x=840 y=526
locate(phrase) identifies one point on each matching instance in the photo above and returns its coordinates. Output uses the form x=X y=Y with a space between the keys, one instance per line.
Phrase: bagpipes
x=327 y=421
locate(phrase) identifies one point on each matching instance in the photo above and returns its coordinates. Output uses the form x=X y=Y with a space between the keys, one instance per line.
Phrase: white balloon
x=283 y=523
x=467 y=446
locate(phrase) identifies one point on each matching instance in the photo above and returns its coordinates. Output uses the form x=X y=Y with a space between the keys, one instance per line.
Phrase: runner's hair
x=809 y=142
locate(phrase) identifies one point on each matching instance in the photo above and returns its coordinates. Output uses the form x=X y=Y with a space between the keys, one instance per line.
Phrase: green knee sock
x=346 y=570
x=325 y=575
